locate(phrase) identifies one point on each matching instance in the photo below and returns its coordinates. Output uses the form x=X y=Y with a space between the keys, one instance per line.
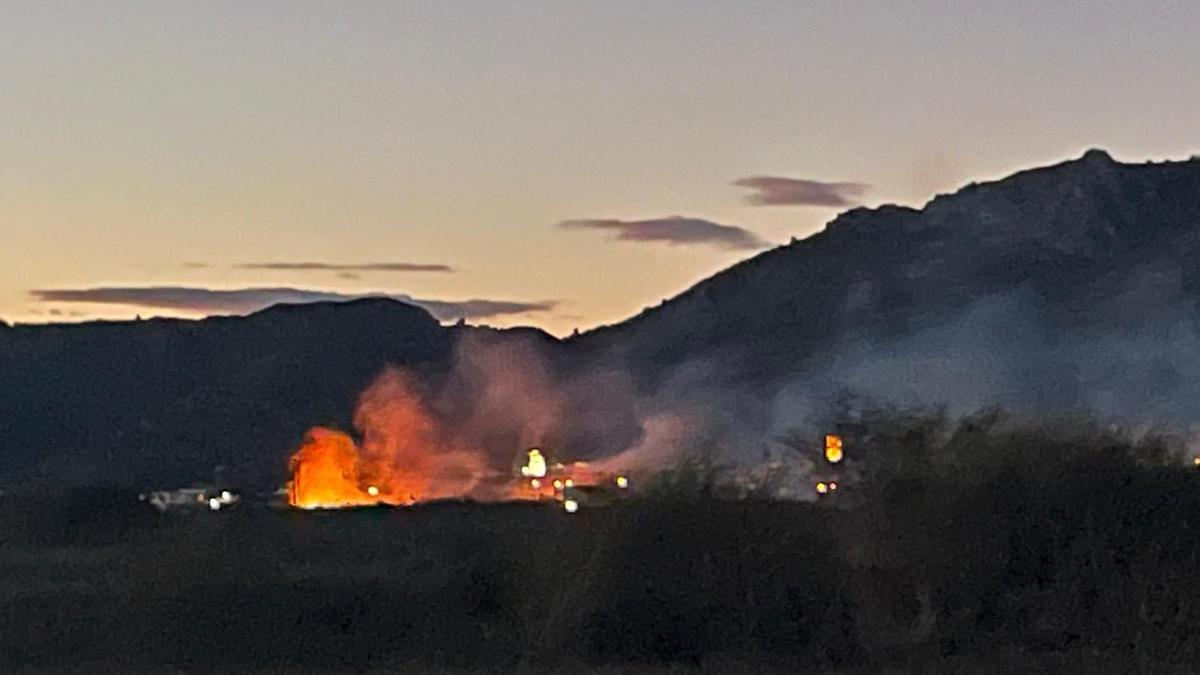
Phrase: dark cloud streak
x=249 y=300
x=779 y=191
x=337 y=267
x=673 y=230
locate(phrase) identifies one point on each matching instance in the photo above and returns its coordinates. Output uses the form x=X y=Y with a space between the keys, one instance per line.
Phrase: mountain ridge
x=1025 y=289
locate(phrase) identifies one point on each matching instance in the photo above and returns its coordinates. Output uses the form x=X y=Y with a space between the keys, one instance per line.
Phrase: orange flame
x=401 y=459
x=325 y=472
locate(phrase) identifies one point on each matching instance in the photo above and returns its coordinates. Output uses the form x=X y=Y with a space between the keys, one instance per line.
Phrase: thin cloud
x=780 y=191
x=249 y=300
x=673 y=230
x=338 y=267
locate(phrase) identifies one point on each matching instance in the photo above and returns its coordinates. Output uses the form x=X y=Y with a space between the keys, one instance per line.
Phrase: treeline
x=986 y=544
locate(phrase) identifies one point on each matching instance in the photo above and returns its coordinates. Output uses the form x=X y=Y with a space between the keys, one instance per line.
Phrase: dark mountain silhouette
x=151 y=399
x=1069 y=240
x=1071 y=254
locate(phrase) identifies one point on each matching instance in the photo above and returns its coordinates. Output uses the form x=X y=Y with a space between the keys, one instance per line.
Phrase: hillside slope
x=1073 y=245
x=1069 y=286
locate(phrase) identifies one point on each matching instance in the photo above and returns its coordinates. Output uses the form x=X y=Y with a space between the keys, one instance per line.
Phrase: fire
x=400 y=460
x=536 y=466
x=833 y=448
x=325 y=472
x=404 y=457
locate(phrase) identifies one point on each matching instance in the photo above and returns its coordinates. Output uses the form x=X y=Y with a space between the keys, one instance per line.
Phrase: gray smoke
x=1130 y=359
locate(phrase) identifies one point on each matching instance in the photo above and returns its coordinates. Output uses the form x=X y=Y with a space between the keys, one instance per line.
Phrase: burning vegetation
x=502 y=425
x=401 y=459
x=406 y=456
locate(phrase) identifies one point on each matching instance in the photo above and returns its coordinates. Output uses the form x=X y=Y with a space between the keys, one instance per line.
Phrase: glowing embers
x=833 y=448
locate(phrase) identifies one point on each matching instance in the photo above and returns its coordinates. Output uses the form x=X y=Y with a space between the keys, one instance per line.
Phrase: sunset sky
x=528 y=156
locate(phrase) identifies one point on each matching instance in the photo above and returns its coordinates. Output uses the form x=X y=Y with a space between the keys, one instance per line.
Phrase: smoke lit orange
x=401 y=459
x=407 y=454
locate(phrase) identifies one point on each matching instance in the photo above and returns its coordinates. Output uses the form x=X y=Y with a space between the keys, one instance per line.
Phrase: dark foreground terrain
x=1068 y=553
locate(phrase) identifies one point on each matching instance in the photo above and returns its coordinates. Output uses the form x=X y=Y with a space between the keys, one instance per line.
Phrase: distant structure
x=190 y=498
x=199 y=496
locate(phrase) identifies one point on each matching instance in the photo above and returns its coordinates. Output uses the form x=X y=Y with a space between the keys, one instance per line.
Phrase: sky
x=558 y=164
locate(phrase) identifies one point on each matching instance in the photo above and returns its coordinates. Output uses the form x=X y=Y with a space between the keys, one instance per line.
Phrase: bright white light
x=372 y=490
x=558 y=484
x=571 y=505
x=832 y=487
x=622 y=482
x=570 y=483
x=535 y=484
x=214 y=504
x=226 y=497
x=536 y=466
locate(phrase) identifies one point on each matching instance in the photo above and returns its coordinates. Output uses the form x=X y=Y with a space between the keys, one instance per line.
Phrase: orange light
x=833 y=448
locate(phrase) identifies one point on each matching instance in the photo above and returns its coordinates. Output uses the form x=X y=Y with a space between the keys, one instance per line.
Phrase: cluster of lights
x=824 y=488
x=215 y=503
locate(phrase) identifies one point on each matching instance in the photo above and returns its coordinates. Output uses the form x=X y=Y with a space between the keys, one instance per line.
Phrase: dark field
x=1086 y=561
